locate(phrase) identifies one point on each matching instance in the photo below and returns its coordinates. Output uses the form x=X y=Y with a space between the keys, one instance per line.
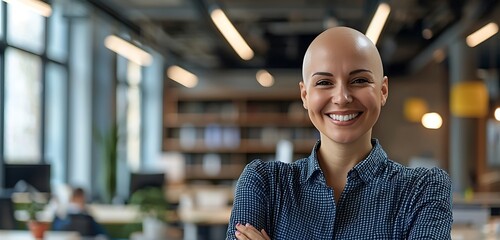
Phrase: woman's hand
x=249 y=232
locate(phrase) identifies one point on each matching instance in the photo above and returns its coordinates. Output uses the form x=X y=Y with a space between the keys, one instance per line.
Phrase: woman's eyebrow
x=322 y=74
x=359 y=71
x=331 y=75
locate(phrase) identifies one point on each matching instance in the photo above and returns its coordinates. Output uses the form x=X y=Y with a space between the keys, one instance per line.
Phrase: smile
x=343 y=118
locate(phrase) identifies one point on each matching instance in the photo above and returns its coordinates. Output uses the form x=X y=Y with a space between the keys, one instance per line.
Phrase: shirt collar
x=366 y=169
x=313 y=165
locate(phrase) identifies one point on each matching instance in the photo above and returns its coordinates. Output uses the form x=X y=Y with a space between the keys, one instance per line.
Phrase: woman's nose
x=341 y=95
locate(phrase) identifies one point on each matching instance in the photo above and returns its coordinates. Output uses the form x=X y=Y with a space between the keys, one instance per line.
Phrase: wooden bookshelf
x=236 y=127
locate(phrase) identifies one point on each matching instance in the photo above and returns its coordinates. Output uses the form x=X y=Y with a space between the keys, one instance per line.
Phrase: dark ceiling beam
x=114 y=14
x=204 y=16
x=228 y=54
x=473 y=12
x=143 y=34
x=442 y=42
x=241 y=13
x=184 y=13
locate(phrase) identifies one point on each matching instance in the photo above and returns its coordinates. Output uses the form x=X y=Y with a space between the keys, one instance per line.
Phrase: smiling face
x=343 y=86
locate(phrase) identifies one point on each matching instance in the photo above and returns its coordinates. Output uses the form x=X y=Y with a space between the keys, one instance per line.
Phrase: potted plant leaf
x=109 y=145
x=153 y=207
x=33 y=208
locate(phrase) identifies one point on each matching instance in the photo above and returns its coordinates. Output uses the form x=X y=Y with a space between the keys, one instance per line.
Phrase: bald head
x=339 y=45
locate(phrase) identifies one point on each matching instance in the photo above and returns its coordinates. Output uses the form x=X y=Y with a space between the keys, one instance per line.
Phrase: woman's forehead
x=341 y=61
x=342 y=48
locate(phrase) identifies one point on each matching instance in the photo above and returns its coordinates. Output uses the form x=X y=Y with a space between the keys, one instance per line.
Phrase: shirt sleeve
x=431 y=215
x=250 y=198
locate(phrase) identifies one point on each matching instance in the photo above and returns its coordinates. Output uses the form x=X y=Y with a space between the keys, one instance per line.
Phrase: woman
x=347 y=188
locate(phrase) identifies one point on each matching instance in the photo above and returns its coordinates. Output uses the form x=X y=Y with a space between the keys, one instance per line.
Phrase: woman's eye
x=323 y=82
x=359 y=80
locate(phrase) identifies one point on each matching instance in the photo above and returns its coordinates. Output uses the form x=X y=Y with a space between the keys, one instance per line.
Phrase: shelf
x=197 y=119
x=186 y=95
x=247 y=120
x=229 y=172
x=246 y=146
x=281 y=119
x=240 y=126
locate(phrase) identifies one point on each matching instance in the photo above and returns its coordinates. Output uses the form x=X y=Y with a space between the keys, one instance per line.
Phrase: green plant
x=151 y=202
x=109 y=146
x=35 y=205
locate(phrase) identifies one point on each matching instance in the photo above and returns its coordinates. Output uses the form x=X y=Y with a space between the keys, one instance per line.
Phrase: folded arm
x=250 y=202
x=431 y=216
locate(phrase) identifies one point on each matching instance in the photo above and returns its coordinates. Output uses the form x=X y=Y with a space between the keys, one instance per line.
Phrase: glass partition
x=25 y=28
x=22 y=106
x=55 y=120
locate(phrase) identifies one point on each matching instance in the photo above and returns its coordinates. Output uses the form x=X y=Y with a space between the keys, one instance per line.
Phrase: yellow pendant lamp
x=415 y=108
x=469 y=99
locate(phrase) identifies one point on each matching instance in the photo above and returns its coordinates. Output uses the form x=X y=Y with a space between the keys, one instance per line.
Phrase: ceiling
x=279 y=31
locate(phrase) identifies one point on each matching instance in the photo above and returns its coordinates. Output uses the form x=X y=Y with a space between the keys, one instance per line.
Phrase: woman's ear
x=303 y=94
x=384 y=90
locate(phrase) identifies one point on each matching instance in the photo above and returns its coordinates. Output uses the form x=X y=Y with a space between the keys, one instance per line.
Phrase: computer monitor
x=36 y=175
x=143 y=180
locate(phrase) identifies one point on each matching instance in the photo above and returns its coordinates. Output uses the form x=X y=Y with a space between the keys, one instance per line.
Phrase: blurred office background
x=117 y=95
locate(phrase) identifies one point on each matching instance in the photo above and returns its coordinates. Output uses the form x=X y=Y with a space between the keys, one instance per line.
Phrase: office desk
x=26 y=235
x=471 y=233
x=102 y=213
x=205 y=215
x=487 y=199
x=115 y=214
x=193 y=217
x=175 y=192
x=118 y=220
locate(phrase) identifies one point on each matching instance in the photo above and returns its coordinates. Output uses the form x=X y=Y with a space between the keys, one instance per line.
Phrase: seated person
x=77 y=218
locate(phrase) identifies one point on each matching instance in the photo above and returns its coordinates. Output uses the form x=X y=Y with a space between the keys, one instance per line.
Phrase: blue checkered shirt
x=381 y=200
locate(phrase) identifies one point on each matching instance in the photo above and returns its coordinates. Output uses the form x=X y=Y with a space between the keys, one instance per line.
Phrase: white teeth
x=343 y=118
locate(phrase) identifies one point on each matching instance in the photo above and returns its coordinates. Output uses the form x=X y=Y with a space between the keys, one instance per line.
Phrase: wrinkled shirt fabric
x=382 y=199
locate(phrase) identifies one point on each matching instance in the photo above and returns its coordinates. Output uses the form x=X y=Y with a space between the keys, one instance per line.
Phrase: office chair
x=81 y=223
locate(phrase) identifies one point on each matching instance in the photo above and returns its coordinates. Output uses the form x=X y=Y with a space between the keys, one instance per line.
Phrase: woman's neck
x=336 y=157
x=336 y=160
